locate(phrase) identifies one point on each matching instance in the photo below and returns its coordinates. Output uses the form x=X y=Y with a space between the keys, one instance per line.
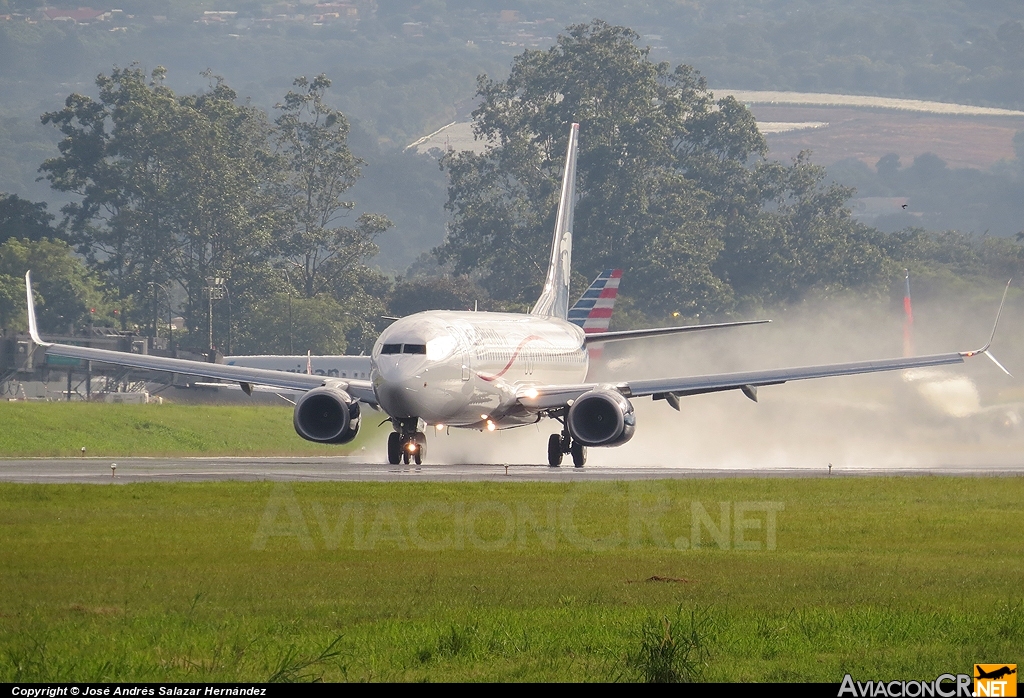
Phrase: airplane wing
x=671 y=389
x=551 y=397
x=659 y=331
x=361 y=390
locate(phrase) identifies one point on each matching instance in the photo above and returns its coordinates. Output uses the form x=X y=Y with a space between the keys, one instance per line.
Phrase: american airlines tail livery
x=487 y=371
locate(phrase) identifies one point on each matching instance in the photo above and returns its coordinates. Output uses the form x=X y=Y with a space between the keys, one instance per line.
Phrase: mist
x=966 y=414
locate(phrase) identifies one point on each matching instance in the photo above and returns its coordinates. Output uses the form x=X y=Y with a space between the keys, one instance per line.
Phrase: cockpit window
x=403 y=349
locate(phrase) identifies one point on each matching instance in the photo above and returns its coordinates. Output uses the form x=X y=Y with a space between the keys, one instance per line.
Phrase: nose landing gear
x=405 y=446
x=560 y=444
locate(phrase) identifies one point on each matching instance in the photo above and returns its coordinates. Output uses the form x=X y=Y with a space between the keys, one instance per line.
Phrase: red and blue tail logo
x=593 y=311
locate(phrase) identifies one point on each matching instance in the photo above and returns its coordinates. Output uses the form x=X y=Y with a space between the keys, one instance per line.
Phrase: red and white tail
x=593 y=311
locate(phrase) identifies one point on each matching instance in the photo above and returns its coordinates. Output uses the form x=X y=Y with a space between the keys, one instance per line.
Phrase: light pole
x=214 y=291
x=291 y=288
x=227 y=292
x=170 y=311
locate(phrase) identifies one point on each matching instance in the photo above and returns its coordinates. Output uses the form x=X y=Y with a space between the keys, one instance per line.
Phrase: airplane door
x=464 y=350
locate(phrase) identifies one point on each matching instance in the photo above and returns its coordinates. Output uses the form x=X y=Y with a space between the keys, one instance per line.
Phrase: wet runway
x=99 y=471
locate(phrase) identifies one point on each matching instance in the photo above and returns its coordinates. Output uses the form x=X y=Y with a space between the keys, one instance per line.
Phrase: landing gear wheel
x=421 y=447
x=554 y=450
x=579 y=454
x=405 y=457
x=394 y=448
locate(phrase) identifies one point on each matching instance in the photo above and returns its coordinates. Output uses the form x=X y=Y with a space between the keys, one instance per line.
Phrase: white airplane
x=592 y=312
x=487 y=371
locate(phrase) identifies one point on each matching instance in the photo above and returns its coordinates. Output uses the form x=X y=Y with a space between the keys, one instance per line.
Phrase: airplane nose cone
x=399 y=385
x=397 y=399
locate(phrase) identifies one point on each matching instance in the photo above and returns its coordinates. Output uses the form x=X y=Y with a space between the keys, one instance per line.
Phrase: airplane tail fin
x=554 y=299
x=593 y=311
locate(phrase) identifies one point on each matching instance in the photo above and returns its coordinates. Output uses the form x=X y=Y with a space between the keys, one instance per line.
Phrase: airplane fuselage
x=463 y=369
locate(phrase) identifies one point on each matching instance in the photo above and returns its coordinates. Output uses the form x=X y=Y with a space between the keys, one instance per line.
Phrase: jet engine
x=327 y=415
x=601 y=417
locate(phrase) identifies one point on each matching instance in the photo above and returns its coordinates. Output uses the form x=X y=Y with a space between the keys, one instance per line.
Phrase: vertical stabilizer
x=554 y=299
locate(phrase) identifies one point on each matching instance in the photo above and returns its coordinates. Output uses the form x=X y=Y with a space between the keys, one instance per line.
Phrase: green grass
x=879 y=577
x=61 y=429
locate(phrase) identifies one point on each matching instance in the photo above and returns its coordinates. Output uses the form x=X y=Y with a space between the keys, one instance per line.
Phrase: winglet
x=33 y=328
x=985 y=349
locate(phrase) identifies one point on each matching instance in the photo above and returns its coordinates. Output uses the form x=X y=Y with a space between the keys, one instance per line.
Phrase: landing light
x=439 y=427
x=490 y=425
x=531 y=393
x=411 y=447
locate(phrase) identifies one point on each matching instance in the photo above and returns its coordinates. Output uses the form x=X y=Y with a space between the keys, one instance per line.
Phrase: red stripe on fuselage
x=515 y=354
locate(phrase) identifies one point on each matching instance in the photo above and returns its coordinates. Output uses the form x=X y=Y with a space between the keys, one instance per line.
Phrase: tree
x=321 y=168
x=434 y=293
x=170 y=187
x=66 y=291
x=23 y=219
x=286 y=324
x=796 y=234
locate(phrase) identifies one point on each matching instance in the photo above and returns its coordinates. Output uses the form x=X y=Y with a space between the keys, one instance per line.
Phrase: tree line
x=169 y=192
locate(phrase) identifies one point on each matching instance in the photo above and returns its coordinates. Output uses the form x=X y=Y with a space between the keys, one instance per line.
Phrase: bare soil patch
x=867 y=135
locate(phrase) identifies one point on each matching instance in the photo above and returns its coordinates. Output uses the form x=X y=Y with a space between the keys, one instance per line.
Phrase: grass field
x=879 y=577
x=52 y=429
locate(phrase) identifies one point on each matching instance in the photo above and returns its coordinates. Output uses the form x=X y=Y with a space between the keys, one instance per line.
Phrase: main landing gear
x=407 y=443
x=560 y=444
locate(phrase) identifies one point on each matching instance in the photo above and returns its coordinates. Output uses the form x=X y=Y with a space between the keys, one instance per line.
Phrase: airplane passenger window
x=391 y=349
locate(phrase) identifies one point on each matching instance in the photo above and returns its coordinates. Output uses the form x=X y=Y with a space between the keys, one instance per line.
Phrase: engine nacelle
x=601 y=417
x=327 y=415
